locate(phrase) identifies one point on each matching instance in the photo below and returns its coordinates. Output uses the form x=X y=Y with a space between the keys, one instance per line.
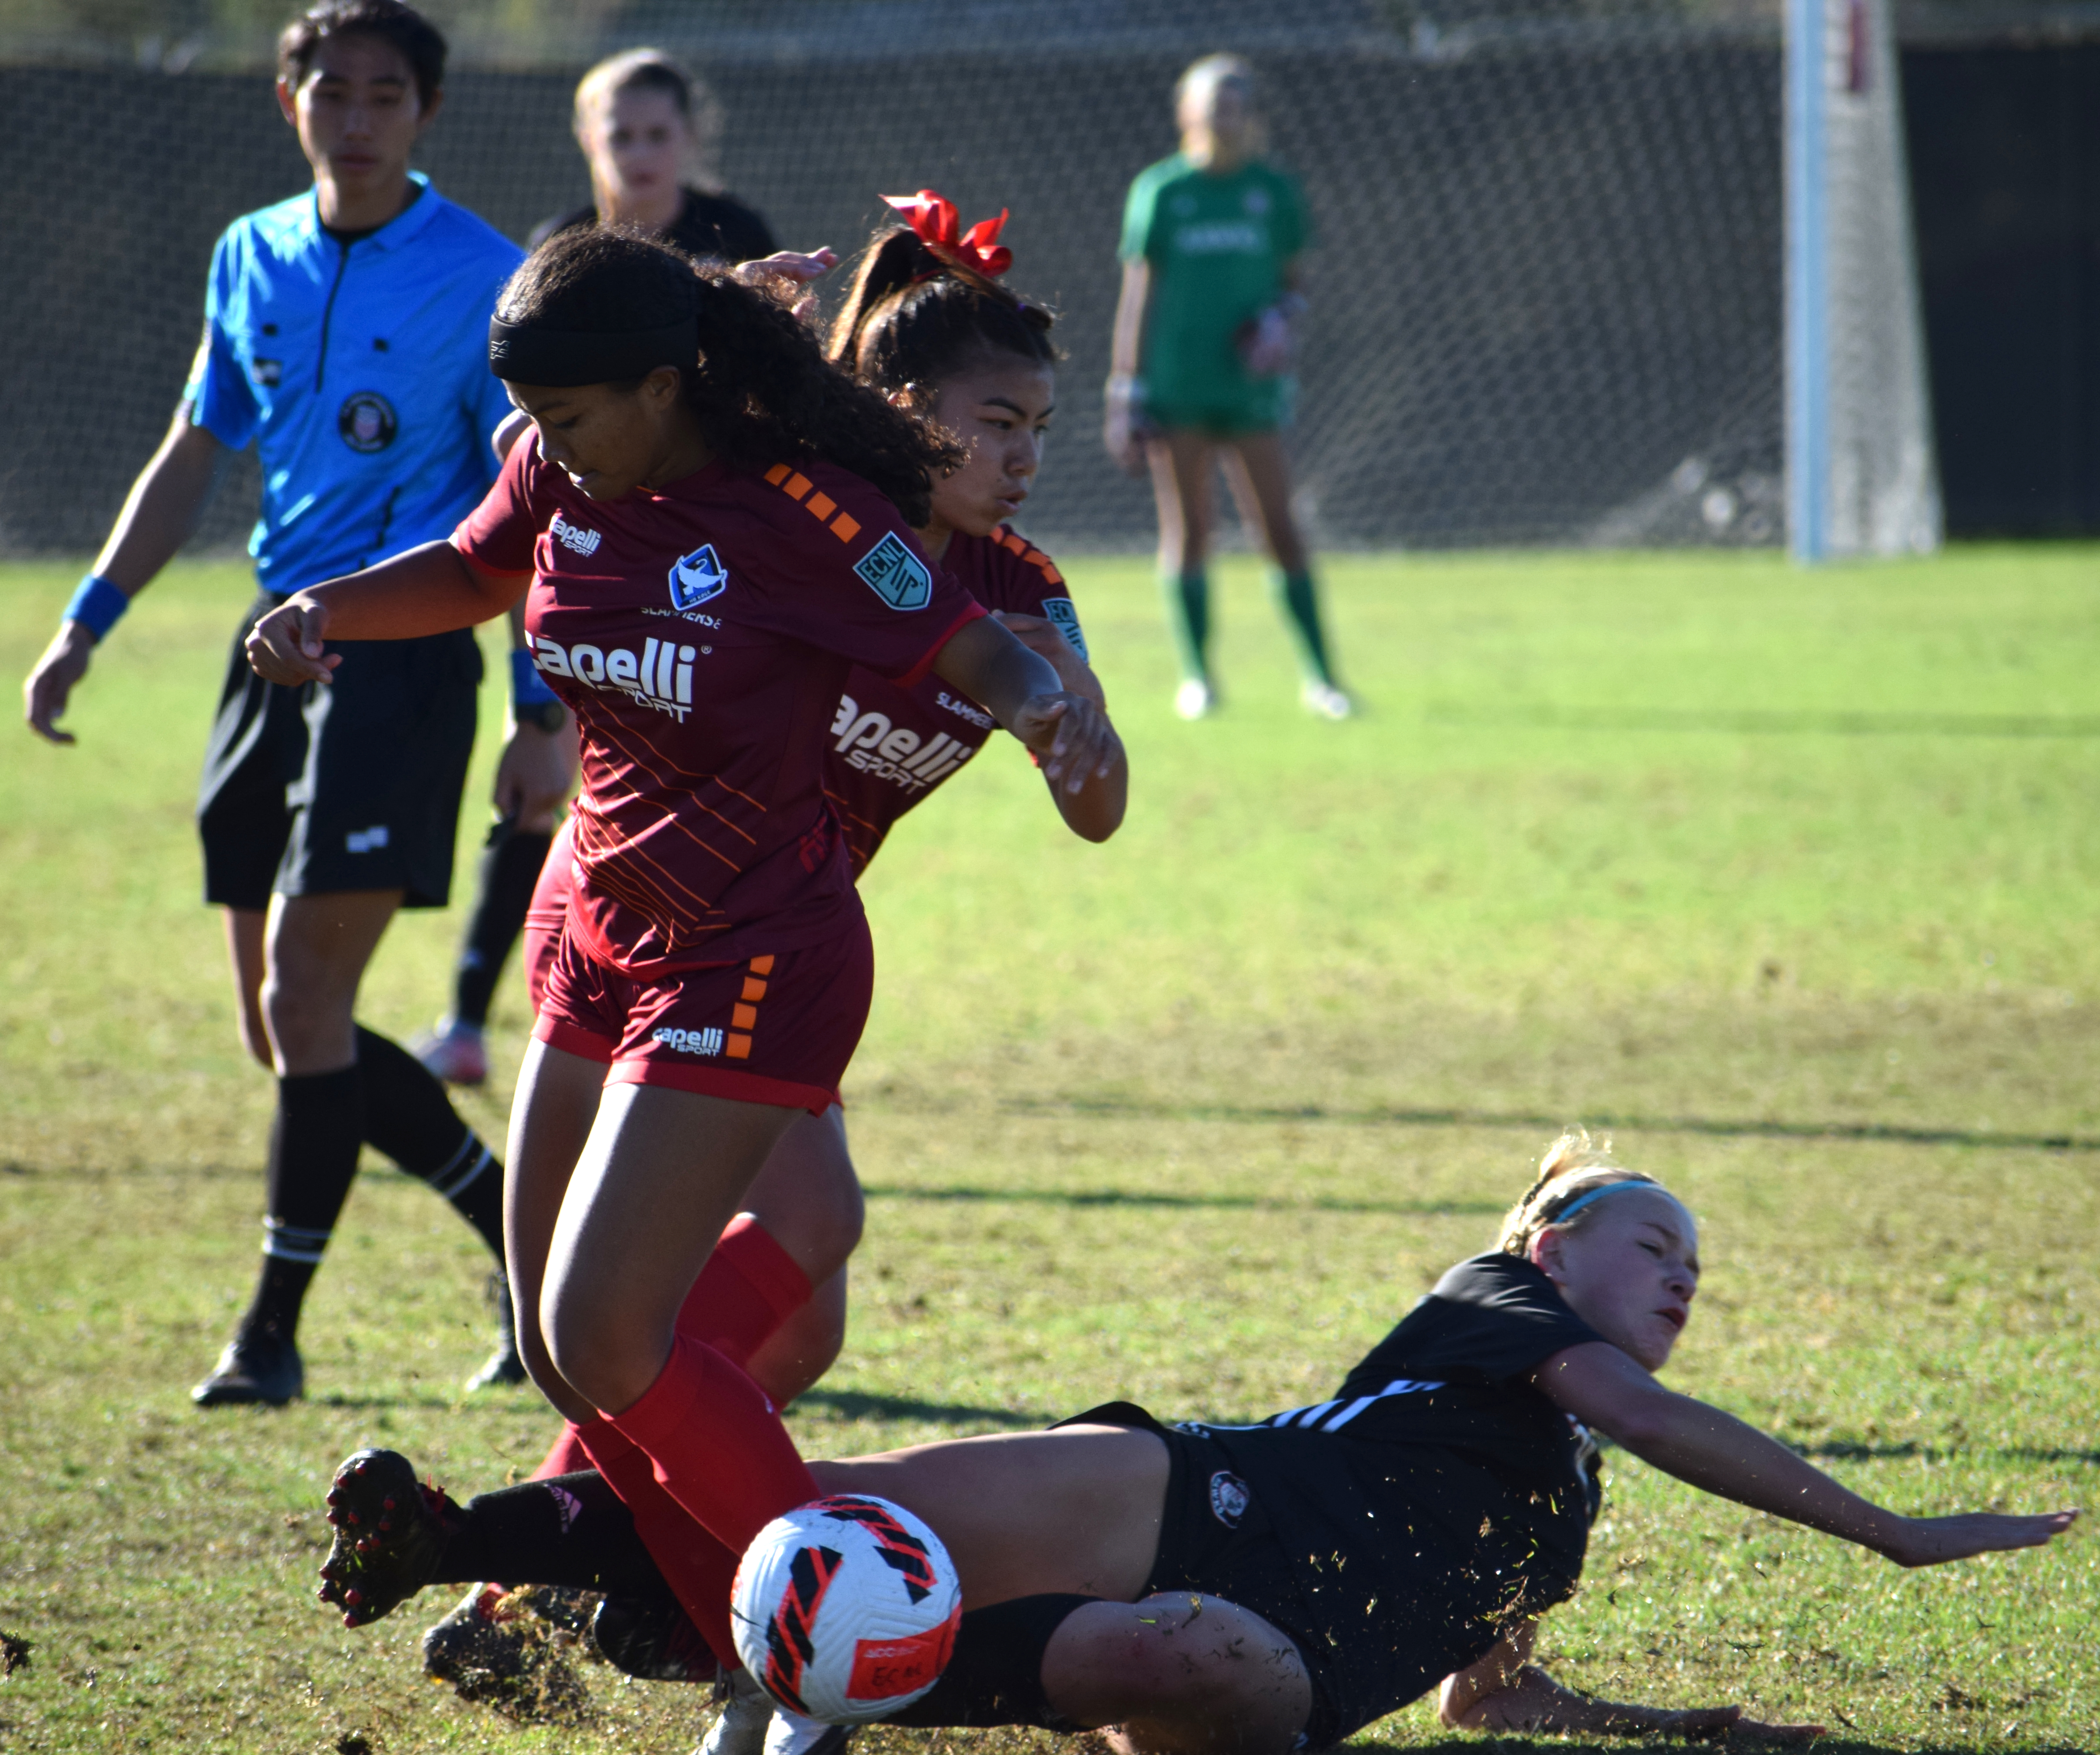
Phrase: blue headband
x=1581 y=1201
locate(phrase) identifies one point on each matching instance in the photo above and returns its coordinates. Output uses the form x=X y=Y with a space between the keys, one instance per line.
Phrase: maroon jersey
x=893 y=742
x=702 y=635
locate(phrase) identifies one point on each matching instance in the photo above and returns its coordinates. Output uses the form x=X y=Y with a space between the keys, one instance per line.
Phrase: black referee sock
x=510 y=863
x=408 y=1116
x=571 y=1530
x=314 y=1143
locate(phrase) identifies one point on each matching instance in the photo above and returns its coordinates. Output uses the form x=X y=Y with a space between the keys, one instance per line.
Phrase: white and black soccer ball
x=845 y=1609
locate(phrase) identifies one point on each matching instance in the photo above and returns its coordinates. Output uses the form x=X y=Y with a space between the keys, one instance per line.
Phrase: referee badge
x=1230 y=1496
x=367 y=423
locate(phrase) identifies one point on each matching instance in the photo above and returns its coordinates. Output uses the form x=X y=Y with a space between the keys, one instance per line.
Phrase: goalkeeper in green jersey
x=1200 y=371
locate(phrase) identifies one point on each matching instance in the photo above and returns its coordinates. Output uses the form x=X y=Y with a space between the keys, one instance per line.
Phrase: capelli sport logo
x=660 y=676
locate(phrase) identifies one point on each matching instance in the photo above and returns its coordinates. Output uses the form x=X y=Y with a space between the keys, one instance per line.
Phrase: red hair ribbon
x=933 y=217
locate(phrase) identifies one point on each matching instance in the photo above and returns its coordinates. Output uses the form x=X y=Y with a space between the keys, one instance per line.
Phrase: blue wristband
x=97 y=605
x=528 y=688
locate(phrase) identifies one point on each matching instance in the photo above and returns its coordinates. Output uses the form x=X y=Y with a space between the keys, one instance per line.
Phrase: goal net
x=1545 y=289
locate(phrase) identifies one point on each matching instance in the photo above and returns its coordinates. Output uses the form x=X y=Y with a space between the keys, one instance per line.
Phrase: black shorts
x=352 y=784
x=1367 y=1651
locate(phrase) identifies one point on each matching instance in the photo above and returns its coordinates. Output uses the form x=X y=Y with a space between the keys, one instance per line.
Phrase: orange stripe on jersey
x=778 y=474
x=821 y=504
x=1007 y=540
x=738 y=1047
x=754 y=990
x=1042 y=563
x=797 y=485
x=761 y=966
x=845 y=527
x=744 y=1017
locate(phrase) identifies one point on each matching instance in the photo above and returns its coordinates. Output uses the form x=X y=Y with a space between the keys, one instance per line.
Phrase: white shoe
x=1195 y=700
x=746 y=1716
x=1326 y=701
x=454 y=1051
x=791 y=1734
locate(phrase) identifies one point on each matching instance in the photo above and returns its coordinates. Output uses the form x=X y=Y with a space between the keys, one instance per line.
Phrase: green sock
x=1300 y=604
x=1188 y=596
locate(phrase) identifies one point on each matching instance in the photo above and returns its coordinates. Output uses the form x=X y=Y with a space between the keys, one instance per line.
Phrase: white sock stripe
x=459 y=1185
x=293 y=1243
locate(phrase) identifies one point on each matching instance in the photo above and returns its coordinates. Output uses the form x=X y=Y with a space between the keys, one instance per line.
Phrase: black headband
x=520 y=354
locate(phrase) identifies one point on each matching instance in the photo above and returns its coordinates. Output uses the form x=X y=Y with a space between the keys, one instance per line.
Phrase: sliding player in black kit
x=1277 y=1586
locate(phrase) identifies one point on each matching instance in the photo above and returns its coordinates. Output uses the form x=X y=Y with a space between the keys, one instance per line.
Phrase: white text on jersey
x=869 y=743
x=574 y=538
x=661 y=677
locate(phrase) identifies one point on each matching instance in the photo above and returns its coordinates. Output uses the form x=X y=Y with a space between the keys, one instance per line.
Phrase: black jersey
x=1434 y=1495
x=719 y=227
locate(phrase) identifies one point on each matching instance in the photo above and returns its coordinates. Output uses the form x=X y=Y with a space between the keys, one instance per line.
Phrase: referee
x=345 y=336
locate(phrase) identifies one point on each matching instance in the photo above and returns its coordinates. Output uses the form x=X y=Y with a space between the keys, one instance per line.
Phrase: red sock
x=718 y=1446
x=697 y=1569
x=749 y=1287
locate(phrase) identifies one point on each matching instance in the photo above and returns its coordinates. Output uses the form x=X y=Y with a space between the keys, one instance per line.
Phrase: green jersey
x=1217 y=246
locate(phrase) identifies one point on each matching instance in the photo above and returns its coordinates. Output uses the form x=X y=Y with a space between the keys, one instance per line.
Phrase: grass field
x=1789 y=880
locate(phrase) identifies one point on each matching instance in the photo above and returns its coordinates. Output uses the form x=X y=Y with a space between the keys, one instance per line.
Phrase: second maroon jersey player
x=893 y=743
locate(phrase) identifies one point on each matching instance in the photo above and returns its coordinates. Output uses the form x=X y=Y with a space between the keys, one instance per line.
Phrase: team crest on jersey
x=1062 y=615
x=697 y=578
x=1230 y=1498
x=367 y=423
x=896 y=575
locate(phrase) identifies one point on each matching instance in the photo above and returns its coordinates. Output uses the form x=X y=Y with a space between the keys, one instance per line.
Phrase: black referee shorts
x=352 y=784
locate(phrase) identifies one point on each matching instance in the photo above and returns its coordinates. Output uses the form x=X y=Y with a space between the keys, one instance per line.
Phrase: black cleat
x=653 y=1638
x=487 y=1647
x=390 y=1532
x=503 y=1368
x=259 y=1366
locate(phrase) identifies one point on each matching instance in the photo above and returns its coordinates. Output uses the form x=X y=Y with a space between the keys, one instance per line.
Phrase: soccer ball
x=846 y=1609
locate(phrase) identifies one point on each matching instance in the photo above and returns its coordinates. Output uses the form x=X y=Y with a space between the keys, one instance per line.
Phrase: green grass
x=1789 y=878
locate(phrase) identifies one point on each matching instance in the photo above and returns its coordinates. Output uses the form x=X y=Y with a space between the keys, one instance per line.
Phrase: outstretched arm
x=159 y=514
x=430 y=589
x=1095 y=812
x=1604 y=1388
x=1505 y=1691
x=1070 y=734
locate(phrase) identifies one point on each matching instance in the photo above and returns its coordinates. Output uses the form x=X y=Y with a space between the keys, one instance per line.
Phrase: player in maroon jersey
x=929 y=324
x=702 y=537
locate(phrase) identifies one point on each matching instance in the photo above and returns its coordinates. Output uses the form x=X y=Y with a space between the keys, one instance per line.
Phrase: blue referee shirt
x=361 y=373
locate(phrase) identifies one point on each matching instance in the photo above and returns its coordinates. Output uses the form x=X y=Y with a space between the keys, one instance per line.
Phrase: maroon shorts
x=774 y=1029
x=548 y=909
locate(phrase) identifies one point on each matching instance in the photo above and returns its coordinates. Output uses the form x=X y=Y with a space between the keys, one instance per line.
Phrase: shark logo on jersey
x=896 y=575
x=1059 y=612
x=697 y=578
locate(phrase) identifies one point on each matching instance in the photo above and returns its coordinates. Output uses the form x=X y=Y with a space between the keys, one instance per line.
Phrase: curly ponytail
x=1574 y=1166
x=760 y=386
x=914 y=316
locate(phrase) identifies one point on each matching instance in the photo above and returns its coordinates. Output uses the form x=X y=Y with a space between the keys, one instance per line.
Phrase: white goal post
x=1860 y=476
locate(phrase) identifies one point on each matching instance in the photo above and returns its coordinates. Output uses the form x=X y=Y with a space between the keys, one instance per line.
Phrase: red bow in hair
x=933 y=217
